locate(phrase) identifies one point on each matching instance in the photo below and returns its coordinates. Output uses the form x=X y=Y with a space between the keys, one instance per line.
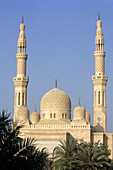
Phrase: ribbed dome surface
x=55 y=101
x=79 y=113
x=23 y=113
x=34 y=118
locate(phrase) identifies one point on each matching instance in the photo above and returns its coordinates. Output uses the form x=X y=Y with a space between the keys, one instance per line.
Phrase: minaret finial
x=35 y=107
x=79 y=101
x=98 y=16
x=22 y=19
x=56 y=80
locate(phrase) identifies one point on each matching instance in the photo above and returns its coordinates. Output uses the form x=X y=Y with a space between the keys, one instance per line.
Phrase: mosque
x=54 y=123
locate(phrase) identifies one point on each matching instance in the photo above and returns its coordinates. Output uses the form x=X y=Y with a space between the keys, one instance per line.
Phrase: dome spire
x=79 y=101
x=56 y=82
x=35 y=107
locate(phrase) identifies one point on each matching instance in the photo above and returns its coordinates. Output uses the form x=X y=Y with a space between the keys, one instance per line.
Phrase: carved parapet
x=21 y=56
x=21 y=81
x=100 y=80
x=99 y=53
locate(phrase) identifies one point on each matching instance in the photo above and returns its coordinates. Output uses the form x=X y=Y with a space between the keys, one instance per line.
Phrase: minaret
x=21 y=80
x=99 y=81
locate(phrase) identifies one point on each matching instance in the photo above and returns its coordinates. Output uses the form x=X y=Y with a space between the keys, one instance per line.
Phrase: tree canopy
x=71 y=155
x=15 y=152
x=20 y=154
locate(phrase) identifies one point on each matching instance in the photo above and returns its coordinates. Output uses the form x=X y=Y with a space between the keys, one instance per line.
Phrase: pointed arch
x=18 y=98
x=23 y=99
x=50 y=115
x=45 y=150
x=99 y=97
x=103 y=98
x=54 y=152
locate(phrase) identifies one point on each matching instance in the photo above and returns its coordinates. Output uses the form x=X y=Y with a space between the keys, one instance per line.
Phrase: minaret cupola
x=99 y=39
x=22 y=39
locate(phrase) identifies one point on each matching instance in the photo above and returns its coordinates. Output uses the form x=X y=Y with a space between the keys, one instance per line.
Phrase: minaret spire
x=21 y=80
x=22 y=19
x=98 y=16
x=99 y=80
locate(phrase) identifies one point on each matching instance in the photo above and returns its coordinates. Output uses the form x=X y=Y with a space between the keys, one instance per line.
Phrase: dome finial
x=79 y=101
x=84 y=106
x=98 y=16
x=56 y=80
x=35 y=107
x=22 y=19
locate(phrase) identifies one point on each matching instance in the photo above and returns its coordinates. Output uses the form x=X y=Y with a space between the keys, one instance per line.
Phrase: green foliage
x=93 y=156
x=66 y=155
x=72 y=155
x=15 y=152
x=21 y=154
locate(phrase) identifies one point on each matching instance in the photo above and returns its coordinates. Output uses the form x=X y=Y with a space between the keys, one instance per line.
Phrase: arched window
x=99 y=97
x=103 y=98
x=54 y=152
x=43 y=115
x=95 y=99
x=54 y=115
x=45 y=150
x=18 y=98
x=98 y=45
x=51 y=115
x=20 y=47
x=22 y=98
x=63 y=115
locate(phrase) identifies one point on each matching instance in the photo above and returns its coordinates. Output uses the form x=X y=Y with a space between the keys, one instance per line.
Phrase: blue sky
x=60 y=44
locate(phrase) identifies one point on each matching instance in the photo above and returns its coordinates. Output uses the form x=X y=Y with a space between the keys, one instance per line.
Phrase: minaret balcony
x=21 y=79
x=98 y=53
x=21 y=55
x=103 y=77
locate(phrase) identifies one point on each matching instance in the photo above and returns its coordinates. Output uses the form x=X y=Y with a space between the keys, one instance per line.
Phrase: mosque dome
x=87 y=117
x=34 y=118
x=55 y=104
x=23 y=113
x=79 y=113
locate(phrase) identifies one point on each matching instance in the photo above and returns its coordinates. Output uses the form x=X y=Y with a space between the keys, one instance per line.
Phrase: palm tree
x=92 y=156
x=65 y=158
x=15 y=152
x=73 y=155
